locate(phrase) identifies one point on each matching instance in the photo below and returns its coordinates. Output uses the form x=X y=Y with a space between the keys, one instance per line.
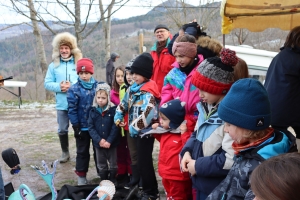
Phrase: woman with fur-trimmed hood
x=61 y=74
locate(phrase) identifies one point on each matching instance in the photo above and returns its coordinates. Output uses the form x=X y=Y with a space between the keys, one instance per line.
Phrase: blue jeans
x=63 y=122
x=2 y=194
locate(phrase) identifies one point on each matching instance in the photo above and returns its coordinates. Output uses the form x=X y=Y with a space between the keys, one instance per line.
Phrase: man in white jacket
x=61 y=74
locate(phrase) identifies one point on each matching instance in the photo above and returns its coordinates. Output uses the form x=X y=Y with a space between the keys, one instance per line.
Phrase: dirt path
x=31 y=131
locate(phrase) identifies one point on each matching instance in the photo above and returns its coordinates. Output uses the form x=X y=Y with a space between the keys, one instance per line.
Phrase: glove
x=77 y=131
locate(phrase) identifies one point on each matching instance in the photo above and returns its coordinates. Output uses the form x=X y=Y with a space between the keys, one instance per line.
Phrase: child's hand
x=101 y=194
x=155 y=125
x=101 y=143
x=122 y=124
x=64 y=86
x=185 y=160
x=183 y=127
x=191 y=167
x=106 y=145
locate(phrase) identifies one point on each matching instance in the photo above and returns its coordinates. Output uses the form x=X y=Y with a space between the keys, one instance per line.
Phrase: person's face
x=210 y=98
x=101 y=98
x=164 y=121
x=162 y=34
x=120 y=77
x=236 y=133
x=128 y=76
x=85 y=76
x=182 y=60
x=65 y=51
x=139 y=79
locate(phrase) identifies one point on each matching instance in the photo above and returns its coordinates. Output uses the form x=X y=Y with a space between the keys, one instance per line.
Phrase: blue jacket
x=102 y=126
x=236 y=184
x=211 y=147
x=66 y=71
x=80 y=101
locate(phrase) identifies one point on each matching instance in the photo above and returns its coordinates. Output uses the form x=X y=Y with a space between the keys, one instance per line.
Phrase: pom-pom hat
x=85 y=65
x=215 y=75
x=246 y=105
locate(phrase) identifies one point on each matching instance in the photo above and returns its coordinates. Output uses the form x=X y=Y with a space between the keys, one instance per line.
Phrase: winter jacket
x=211 y=147
x=178 y=84
x=236 y=184
x=140 y=101
x=80 y=101
x=102 y=126
x=283 y=86
x=162 y=65
x=114 y=97
x=122 y=92
x=65 y=71
x=170 y=147
x=110 y=68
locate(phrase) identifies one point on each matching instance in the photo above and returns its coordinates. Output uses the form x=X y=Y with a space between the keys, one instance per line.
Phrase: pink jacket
x=177 y=84
x=114 y=97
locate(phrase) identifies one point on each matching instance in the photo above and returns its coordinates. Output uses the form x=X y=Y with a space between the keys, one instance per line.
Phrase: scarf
x=187 y=70
x=66 y=59
x=241 y=147
x=135 y=87
x=160 y=47
x=87 y=85
x=101 y=109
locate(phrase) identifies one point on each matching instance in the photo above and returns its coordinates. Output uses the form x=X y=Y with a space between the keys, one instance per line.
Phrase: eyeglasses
x=158 y=32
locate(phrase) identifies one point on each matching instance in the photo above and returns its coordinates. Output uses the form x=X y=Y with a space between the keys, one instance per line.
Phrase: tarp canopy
x=257 y=15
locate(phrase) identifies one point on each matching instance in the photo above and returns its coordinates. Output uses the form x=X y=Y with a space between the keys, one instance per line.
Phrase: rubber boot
x=64 y=143
x=135 y=178
x=103 y=175
x=298 y=144
x=113 y=175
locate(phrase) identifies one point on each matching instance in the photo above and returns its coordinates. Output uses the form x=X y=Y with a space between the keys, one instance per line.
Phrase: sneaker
x=82 y=180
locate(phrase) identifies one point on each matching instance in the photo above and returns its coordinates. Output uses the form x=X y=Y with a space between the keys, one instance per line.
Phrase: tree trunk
x=39 y=44
x=77 y=25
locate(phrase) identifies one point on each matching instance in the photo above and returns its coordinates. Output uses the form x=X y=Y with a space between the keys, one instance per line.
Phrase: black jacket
x=110 y=68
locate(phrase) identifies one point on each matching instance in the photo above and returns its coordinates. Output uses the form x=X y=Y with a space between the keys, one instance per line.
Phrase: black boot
x=64 y=143
x=135 y=178
x=113 y=175
x=103 y=175
x=132 y=194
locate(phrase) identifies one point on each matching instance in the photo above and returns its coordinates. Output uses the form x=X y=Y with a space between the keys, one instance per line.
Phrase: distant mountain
x=167 y=6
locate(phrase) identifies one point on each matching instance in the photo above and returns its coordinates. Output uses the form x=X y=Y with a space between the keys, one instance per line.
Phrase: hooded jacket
x=60 y=70
x=101 y=125
x=140 y=101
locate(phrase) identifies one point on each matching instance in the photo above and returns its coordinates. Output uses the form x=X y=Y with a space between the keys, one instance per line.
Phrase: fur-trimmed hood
x=65 y=38
x=208 y=47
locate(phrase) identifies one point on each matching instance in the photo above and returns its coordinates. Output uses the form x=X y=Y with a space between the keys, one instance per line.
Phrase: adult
x=163 y=60
x=283 y=85
x=61 y=74
x=110 y=68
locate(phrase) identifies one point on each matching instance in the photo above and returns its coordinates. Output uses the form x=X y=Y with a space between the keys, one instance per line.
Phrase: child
x=104 y=133
x=116 y=83
x=246 y=112
x=241 y=70
x=140 y=101
x=277 y=178
x=123 y=157
x=177 y=185
x=208 y=154
x=80 y=99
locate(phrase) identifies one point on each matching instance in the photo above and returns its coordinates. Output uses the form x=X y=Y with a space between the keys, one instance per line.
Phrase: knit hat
x=191 y=31
x=85 y=65
x=160 y=26
x=143 y=65
x=102 y=86
x=128 y=68
x=174 y=110
x=246 y=105
x=185 y=48
x=215 y=75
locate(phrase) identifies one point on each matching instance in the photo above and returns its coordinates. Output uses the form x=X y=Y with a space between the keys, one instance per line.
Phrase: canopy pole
x=223 y=40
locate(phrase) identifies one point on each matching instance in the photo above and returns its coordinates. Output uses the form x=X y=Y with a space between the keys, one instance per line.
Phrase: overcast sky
x=132 y=8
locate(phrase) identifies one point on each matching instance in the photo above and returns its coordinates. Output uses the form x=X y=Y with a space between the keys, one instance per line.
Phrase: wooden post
x=141 y=41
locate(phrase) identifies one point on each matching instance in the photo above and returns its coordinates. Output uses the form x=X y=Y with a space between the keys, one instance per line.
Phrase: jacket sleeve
x=189 y=145
x=50 y=80
x=122 y=108
x=170 y=45
x=115 y=131
x=145 y=118
x=92 y=129
x=217 y=164
x=73 y=101
x=167 y=90
x=190 y=123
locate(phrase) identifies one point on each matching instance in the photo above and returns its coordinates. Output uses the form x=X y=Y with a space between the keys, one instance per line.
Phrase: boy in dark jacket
x=104 y=132
x=80 y=99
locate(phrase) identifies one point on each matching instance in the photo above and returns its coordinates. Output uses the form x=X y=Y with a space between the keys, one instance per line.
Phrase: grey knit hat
x=102 y=86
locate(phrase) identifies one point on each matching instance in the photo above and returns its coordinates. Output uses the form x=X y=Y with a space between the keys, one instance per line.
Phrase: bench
x=18 y=84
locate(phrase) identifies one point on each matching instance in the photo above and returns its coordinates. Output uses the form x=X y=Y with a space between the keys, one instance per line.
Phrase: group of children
x=211 y=120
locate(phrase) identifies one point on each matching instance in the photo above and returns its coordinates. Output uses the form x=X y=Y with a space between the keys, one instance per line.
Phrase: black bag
x=11 y=158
